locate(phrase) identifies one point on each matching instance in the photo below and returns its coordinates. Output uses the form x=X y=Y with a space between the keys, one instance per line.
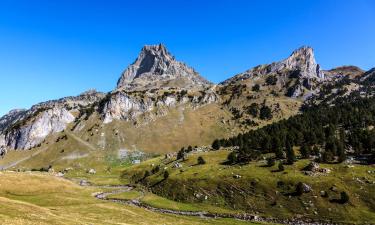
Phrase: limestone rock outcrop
x=155 y=67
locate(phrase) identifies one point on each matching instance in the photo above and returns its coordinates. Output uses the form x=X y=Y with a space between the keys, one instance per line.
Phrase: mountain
x=349 y=71
x=161 y=104
x=24 y=129
x=155 y=67
x=298 y=74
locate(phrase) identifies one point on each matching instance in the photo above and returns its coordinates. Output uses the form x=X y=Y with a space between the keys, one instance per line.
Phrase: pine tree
x=216 y=144
x=305 y=151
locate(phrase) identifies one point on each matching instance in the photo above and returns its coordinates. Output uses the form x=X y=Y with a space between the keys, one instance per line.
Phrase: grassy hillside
x=263 y=190
x=34 y=198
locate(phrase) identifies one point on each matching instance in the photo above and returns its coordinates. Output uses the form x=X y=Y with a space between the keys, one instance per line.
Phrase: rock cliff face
x=24 y=129
x=297 y=73
x=47 y=122
x=128 y=106
x=155 y=67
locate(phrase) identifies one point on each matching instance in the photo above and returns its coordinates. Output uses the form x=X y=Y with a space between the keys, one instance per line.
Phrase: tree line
x=328 y=131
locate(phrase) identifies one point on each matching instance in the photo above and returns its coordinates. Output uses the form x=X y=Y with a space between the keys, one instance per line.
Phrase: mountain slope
x=162 y=102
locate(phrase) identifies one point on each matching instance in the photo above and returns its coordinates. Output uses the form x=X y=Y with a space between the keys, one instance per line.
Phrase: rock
x=303 y=188
x=333 y=188
x=155 y=67
x=300 y=65
x=313 y=167
x=59 y=174
x=3 y=151
x=177 y=165
x=325 y=170
x=323 y=194
x=91 y=171
x=84 y=183
x=237 y=176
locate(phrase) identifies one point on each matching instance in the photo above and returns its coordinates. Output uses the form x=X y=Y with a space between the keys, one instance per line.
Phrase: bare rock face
x=24 y=129
x=47 y=122
x=300 y=68
x=303 y=60
x=10 y=117
x=155 y=67
x=129 y=106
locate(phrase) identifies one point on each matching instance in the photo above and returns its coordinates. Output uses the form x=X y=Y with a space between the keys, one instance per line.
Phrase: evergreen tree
x=216 y=144
x=305 y=151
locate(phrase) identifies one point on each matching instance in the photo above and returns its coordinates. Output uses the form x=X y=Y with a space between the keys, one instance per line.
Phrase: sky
x=52 y=49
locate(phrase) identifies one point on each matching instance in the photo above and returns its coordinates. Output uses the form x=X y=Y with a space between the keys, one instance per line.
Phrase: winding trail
x=104 y=196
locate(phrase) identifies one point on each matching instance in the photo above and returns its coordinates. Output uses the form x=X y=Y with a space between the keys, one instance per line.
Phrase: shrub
x=156 y=169
x=166 y=175
x=201 y=160
x=216 y=144
x=344 y=197
x=281 y=166
x=299 y=188
x=265 y=113
x=147 y=174
x=232 y=157
x=271 y=80
x=270 y=162
x=256 y=88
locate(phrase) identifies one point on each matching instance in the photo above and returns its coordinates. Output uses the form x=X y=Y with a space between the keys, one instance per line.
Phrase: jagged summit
x=155 y=67
x=301 y=60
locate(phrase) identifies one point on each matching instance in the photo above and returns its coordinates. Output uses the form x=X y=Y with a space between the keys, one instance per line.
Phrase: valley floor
x=36 y=198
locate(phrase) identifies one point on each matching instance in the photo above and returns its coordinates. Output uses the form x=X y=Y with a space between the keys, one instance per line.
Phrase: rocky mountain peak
x=301 y=62
x=302 y=59
x=155 y=67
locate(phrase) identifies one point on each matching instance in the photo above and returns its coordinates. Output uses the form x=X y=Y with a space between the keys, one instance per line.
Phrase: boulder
x=313 y=167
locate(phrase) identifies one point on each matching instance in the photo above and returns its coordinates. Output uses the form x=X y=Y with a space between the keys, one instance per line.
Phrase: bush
x=201 y=161
x=299 y=188
x=216 y=145
x=181 y=153
x=156 y=169
x=281 y=166
x=147 y=174
x=166 y=175
x=271 y=80
x=265 y=113
x=270 y=162
x=344 y=197
x=256 y=88
x=232 y=158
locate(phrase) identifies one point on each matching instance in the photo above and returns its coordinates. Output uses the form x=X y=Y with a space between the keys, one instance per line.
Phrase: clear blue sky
x=51 y=49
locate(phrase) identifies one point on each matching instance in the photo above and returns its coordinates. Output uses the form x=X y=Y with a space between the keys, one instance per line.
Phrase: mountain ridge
x=148 y=89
